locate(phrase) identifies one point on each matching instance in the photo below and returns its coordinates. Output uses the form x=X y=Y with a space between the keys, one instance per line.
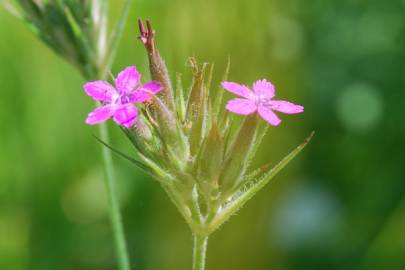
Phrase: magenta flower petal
x=126 y=115
x=241 y=106
x=127 y=80
x=152 y=86
x=268 y=115
x=259 y=100
x=100 y=90
x=238 y=89
x=118 y=101
x=285 y=107
x=263 y=89
x=143 y=93
x=99 y=115
x=139 y=96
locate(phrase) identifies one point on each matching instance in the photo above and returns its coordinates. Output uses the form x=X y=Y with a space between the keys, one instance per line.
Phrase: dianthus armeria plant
x=186 y=141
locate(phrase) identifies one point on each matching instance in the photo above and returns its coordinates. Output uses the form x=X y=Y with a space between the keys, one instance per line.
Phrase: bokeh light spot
x=287 y=38
x=85 y=200
x=308 y=215
x=359 y=107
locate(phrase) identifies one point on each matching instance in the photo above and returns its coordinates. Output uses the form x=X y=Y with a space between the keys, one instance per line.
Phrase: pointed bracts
x=191 y=144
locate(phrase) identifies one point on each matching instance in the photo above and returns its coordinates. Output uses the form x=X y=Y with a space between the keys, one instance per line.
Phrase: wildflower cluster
x=186 y=142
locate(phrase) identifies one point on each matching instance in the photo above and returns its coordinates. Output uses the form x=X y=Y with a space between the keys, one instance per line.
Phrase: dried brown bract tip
x=147 y=35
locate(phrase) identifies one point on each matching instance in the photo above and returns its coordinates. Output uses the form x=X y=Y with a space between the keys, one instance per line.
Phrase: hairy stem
x=199 y=253
x=114 y=210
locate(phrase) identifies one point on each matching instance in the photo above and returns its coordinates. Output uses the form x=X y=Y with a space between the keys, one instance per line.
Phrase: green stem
x=200 y=250
x=114 y=210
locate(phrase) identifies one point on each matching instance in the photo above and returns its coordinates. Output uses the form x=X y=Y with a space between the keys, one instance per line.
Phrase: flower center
x=124 y=99
x=262 y=101
x=120 y=99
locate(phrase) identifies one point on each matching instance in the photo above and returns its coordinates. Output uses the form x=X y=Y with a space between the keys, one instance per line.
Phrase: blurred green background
x=339 y=205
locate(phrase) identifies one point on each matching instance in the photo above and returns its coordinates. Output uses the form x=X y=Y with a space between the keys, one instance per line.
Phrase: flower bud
x=171 y=134
x=157 y=66
x=237 y=157
x=197 y=107
x=210 y=161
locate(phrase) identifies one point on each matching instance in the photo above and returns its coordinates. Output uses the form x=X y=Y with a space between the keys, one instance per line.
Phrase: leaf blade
x=252 y=190
x=137 y=163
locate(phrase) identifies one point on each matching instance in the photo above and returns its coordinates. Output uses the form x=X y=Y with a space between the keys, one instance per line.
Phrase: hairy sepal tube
x=186 y=141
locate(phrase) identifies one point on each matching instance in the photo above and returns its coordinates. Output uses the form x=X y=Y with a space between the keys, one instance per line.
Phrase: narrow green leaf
x=255 y=173
x=252 y=189
x=260 y=183
x=150 y=167
x=137 y=163
x=32 y=10
x=76 y=29
x=80 y=40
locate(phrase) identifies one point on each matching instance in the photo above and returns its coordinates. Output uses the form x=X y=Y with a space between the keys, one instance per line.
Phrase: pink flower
x=259 y=100
x=118 y=101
